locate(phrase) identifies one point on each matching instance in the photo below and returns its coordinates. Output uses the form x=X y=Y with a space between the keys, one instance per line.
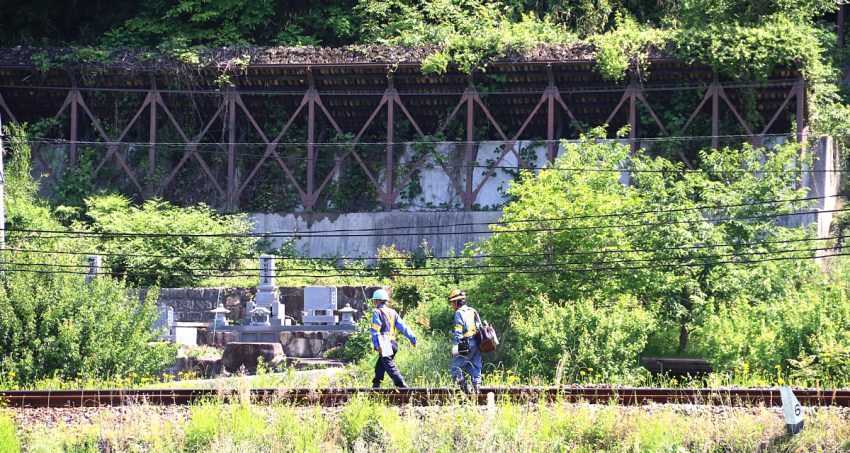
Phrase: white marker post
x=95 y=265
x=792 y=410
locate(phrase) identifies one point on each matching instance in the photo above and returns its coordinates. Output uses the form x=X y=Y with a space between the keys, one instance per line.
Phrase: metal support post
x=2 y=190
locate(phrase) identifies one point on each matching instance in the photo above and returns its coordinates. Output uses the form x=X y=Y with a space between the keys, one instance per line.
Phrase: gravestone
x=319 y=305
x=165 y=322
x=267 y=295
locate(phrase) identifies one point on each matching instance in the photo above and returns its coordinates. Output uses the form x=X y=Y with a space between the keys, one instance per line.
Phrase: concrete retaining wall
x=409 y=230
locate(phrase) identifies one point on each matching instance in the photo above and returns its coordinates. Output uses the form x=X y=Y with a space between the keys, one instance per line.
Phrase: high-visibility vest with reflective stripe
x=390 y=316
x=467 y=314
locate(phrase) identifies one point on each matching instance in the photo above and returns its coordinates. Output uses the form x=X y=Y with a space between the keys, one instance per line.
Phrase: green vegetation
x=673 y=279
x=52 y=324
x=368 y=425
x=738 y=37
x=682 y=280
x=167 y=261
x=587 y=274
x=9 y=441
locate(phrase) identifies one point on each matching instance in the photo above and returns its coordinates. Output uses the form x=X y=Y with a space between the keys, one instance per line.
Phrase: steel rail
x=628 y=396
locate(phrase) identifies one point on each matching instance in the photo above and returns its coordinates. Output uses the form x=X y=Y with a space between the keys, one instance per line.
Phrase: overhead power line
x=354 y=145
x=511 y=265
x=201 y=148
x=426 y=257
x=551 y=270
x=380 y=232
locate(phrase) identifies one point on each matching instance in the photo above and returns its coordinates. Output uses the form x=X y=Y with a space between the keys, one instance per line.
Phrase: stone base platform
x=239 y=355
x=296 y=341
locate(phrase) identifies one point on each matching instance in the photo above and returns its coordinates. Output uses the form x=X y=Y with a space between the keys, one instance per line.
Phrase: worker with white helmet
x=386 y=321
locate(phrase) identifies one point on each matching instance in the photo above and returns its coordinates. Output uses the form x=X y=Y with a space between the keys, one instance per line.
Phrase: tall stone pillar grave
x=267 y=294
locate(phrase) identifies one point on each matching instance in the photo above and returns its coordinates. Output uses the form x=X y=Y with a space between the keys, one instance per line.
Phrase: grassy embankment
x=366 y=425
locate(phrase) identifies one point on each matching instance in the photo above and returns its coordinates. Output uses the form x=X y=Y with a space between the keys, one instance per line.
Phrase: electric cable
x=514 y=264
x=552 y=270
x=378 y=232
x=348 y=147
x=426 y=257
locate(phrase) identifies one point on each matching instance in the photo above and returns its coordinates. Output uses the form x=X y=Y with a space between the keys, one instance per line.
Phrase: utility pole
x=2 y=191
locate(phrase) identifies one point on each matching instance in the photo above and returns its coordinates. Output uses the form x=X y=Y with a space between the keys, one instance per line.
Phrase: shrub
x=55 y=325
x=203 y=426
x=804 y=327
x=359 y=420
x=171 y=261
x=51 y=323
x=580 y=337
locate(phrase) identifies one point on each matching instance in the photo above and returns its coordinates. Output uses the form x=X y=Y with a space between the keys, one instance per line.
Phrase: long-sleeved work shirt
x=464 y=322
x=395 y=324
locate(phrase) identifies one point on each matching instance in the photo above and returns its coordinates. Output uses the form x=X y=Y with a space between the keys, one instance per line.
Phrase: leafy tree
x=51 y=322
x=469 y=32
x=684 y=244
x=179 y=24
x=148 y=253
x=54 y=325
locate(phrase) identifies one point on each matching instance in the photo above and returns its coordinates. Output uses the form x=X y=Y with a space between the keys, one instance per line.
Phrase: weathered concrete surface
x=440 y=232
x=447 y=231
x=823 y=182
x=311 y=344
x=237 y=355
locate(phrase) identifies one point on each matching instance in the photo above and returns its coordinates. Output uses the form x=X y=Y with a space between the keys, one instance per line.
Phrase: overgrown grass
x=9 y=441
x=370 y=425
x=428 y=366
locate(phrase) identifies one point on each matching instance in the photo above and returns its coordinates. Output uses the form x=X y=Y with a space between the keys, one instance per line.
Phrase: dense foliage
x=678 y=262
x=741 y=39
x=52 y=324
x=465 y=32
x=138 y=240
x=337 y=22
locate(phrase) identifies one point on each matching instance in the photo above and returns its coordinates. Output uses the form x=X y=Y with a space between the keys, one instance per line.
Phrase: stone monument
x=267 y=295
x=320 y=305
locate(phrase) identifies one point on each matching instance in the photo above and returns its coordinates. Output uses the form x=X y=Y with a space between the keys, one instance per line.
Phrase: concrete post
x=95 y=266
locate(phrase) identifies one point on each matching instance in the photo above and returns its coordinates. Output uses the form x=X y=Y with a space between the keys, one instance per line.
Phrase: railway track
x=423 y=396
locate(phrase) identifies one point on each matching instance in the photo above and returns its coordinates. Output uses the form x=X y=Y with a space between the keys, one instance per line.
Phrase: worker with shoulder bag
x=467 y=342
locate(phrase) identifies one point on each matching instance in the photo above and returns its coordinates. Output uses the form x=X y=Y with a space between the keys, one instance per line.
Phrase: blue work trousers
x=386 y=365
x=470 y=363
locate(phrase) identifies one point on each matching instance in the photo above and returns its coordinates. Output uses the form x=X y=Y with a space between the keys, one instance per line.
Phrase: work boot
x=461 y=382
x=402 y=385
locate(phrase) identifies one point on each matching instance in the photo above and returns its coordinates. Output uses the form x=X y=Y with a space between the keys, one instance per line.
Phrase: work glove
x=454 y=350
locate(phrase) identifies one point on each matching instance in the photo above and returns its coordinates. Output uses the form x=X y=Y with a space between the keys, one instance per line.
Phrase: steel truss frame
x=391 y=103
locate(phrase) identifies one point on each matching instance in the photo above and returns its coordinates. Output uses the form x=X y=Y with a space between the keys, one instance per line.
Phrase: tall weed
x=204 y=425
x=9 y=441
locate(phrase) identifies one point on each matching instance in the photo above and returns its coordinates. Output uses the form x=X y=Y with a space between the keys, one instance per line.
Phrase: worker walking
x=466 y=358
x=386 y=322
